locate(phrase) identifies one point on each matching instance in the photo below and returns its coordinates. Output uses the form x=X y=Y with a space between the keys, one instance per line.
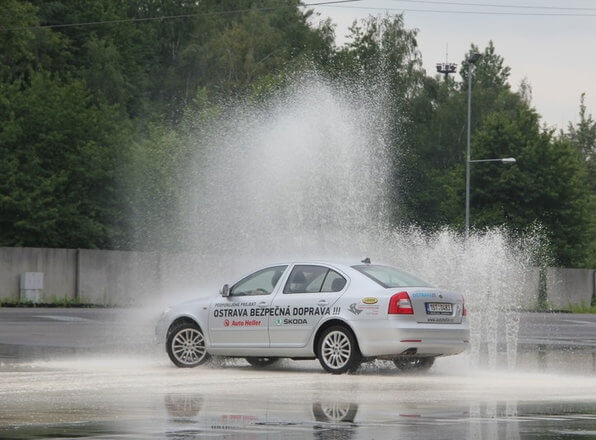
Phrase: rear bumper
x=394 y=336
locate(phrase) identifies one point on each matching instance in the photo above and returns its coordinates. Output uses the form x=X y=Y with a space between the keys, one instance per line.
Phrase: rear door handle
x=262 y=304
x=323 y=302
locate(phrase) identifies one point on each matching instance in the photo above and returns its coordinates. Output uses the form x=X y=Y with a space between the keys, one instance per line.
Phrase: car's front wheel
x=338 y=351
x=261 y=361
x=414 y=364
x=186 y=345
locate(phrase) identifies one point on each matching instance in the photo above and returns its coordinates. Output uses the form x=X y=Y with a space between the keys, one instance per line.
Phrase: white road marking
x=62 y=318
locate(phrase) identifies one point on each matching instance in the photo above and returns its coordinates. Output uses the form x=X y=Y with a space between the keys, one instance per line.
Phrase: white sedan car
x=340 y=314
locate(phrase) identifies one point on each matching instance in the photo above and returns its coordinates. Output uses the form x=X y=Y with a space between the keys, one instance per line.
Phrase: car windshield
x=390 y=277
x=261 y=282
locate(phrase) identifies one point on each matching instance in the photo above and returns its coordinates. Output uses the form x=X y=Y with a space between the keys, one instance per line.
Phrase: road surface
x=94 y=373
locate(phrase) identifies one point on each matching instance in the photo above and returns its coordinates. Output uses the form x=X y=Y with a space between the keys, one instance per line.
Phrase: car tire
x=414 y=364
x=185 y=345
x=338 y=351
x=261 y=361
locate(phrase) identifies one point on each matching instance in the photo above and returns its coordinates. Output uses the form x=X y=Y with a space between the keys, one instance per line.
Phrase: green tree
x=546 y=186
x=583 y=136
x=490 y=71
x=24 y=51
x=59 y=152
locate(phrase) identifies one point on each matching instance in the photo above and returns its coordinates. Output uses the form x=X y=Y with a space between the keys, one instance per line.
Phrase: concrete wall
x=569 y=286
x=528 y=289
x=58 y=266
x=91 y=276
x=117 y=277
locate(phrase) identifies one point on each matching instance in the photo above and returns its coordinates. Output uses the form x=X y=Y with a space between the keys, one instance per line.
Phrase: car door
x=239 y=320
x=308 y=296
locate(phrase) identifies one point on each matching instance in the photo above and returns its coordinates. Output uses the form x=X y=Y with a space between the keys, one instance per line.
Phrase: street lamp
x=504 y=160
x=473 y=57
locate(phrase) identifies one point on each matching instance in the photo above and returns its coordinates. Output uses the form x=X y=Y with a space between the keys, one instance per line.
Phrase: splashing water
x=276 y=179
x=305 y=175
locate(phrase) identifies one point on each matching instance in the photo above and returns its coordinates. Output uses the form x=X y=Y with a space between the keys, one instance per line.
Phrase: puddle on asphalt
x=195 y=416
x=106 y=397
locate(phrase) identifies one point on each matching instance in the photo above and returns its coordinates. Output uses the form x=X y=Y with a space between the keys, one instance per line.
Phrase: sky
x=557 y=54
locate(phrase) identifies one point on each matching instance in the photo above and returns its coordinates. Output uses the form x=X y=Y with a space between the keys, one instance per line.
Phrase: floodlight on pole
x=446 y=68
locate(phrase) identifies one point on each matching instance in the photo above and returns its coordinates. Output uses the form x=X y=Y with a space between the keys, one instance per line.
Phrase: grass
x=582 y=308
x=572 y=308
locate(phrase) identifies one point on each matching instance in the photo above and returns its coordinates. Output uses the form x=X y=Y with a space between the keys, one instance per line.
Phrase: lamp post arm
x=504 y=160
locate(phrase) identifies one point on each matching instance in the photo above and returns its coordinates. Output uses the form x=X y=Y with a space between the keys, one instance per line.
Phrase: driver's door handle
x=262 y=304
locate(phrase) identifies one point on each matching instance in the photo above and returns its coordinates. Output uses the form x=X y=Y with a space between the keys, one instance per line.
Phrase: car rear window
x=390 y=277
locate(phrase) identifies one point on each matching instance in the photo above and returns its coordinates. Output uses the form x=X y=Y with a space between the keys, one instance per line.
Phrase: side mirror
x=225 y=290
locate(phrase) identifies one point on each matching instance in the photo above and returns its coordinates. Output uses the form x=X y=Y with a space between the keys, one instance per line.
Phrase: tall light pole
x=473 y=57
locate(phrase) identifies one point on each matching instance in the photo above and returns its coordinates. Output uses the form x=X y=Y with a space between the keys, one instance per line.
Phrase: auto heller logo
x=245 y=323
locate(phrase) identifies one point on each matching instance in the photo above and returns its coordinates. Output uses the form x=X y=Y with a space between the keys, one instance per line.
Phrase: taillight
x=400 y=304
x=464 y=311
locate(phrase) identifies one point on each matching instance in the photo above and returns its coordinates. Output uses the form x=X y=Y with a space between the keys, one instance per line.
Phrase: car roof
x=339 y=265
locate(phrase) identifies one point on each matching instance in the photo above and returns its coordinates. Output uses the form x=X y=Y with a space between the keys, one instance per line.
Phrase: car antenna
x=366 y=260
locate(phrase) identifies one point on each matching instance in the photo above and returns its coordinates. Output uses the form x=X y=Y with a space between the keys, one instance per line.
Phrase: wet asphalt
x=95 y=373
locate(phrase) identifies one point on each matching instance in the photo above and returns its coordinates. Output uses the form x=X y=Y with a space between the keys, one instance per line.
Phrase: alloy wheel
x=336 y=349
x=188 y=346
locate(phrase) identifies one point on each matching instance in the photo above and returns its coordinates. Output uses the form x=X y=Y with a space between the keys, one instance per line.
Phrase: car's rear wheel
x=186 y=345
x=338 y=351
x=414 y=364
x=261 y=361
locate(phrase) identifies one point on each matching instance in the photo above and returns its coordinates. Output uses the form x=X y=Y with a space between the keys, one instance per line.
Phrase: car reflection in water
x=191 y=416
x=332 y=420
x=328 y=420
x=336 y=420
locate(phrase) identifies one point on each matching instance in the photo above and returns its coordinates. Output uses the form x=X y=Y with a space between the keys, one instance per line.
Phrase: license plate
x=439 y=309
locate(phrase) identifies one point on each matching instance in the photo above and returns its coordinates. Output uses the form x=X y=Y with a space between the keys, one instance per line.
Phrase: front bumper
x=161 y=329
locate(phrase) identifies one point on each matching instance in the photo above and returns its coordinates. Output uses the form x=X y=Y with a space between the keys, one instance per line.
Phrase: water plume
x=306 y=175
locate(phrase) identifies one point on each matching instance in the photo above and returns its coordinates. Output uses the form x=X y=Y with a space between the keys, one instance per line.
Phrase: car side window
x=313 y=279
x=334 y=282
x=261 y=282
